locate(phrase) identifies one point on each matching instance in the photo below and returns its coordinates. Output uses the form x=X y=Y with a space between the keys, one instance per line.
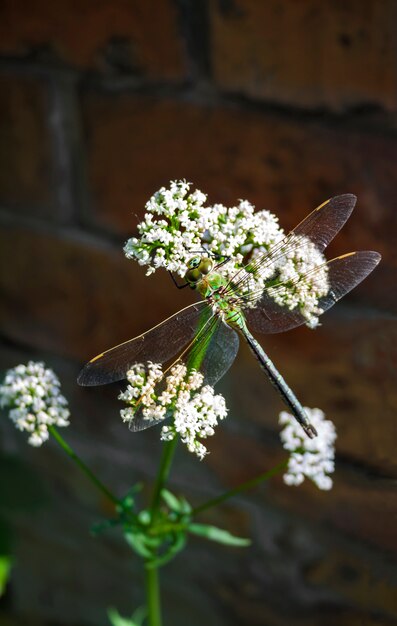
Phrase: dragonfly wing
x=269 y=317
x=322 y=224
x=221 y=352
x=220 y=343
x=344 y=273
x=158 y=345
x=320 y=227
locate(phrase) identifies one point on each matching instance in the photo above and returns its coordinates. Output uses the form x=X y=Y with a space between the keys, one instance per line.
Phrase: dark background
x=284 y=103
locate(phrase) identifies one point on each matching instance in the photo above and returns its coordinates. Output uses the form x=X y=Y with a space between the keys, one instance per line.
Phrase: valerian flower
x=193 y=408
x=32 y=394
x=177 y=225
x=310 y=458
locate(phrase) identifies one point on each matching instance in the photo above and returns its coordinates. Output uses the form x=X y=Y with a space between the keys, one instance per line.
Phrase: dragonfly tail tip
x=310 y=431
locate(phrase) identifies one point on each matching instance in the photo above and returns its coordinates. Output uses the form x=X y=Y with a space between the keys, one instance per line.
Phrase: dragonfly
x=213 y=325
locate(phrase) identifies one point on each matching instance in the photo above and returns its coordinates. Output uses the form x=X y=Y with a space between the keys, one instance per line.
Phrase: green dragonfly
x=211 y=327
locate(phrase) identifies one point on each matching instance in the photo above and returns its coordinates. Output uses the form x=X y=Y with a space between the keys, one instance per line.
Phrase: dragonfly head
x=197 y=268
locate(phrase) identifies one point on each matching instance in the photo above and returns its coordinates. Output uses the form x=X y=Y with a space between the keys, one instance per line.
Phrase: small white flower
x=177 y=225
x=195 y=409
x=310 y=458
x=196 y=417
x=32 y=394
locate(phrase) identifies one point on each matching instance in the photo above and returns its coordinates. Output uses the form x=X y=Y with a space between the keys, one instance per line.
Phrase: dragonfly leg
x=225 y=260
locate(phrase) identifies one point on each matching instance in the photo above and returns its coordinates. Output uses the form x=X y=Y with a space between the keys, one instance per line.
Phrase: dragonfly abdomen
x=234 y=318
x=279 y=383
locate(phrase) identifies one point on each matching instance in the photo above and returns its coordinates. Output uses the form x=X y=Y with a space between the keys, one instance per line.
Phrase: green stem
x=152 y=574
x=249 y=484
x=71 y=453
x=194 y=361
x=153 y=596
x=164 y=529
x=162 y=475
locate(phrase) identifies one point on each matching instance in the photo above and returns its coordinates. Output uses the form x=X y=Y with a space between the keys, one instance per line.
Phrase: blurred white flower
x=32 y=394
x=193 y=408
x=310 y=458
x=178 y=226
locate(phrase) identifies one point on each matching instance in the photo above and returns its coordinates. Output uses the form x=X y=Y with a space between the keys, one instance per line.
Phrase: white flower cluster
x=194 y=408
x=140 y=393
x=299 y=260
x=32 y=393
x=313 y=458
x=169 y=232
x=178 y=226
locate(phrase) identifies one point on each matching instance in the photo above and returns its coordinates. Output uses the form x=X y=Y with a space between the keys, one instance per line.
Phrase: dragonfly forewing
x=320 y=227
x=158 y=345
x=325 y=222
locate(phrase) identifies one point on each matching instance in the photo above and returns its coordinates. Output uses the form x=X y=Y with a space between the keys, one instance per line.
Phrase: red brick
x=284 y=165
x=361 y=595
x=75 y=296
x=25 y=147
x=310 y=54
x=258 y=611
x=355 y=579
x=83 y=33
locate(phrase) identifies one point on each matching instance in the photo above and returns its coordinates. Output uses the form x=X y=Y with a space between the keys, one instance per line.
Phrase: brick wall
x=284 y=103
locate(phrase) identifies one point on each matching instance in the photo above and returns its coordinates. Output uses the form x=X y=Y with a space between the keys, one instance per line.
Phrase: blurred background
x=281 y=102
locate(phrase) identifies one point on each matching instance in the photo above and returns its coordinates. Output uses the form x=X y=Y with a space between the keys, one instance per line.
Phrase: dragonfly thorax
x=214 y=287
x=224 y=303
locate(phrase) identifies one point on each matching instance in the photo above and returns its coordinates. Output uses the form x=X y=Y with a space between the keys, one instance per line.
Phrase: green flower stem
x=249 y=484
x=194 y=362
x=164 y=529
x=86 y=470
x=153 y=596
x=162 y=476
x=152 y=574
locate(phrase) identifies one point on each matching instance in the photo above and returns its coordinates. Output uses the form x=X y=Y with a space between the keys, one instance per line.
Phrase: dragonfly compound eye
x=193 y=276
x=194 y=263
x=205 y=266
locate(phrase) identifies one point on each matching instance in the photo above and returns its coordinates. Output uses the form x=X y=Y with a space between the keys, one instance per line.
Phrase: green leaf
x=218 y=534
x=171 y=501
x=186 y=509
x=5 y=570
x=137 y=542
x=139 y=615
x=178 y=505
x=144 y=517
x=136 y=620
x=177 y=545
